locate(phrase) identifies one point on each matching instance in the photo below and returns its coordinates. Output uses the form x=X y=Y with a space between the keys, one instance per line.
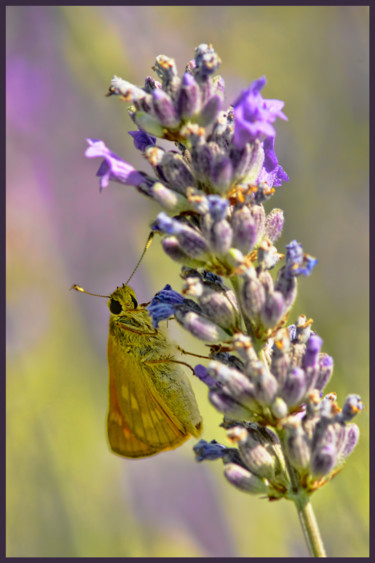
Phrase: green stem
x=304 y=507
x=310 y=526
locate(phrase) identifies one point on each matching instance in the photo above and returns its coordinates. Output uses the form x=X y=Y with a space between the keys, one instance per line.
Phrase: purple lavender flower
x=163 y=304
x=298 y=263
x=202 y=373
x=209 y=450
x=254 y=115
x=142 y=140
x=112 y=167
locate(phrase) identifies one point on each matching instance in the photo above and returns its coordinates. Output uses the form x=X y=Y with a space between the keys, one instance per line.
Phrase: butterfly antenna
x=79 y=288
x=147 y=246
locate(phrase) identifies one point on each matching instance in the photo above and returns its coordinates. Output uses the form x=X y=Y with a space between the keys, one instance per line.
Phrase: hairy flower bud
x=253 y=452
x=273 y=309
x=224 y=403
x=274 y=224
x=294 y=387
x=244 y=229
x=235 y=382
x=189 y=97
x=297 y=445
x=222 y=173
x=244 y=480
x=200 y=326
x=176 y=172
x=173 y=249
x=253 y=296
x=164 y=108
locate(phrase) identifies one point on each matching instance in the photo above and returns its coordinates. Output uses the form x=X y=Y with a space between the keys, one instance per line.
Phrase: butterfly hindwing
x=139 y=423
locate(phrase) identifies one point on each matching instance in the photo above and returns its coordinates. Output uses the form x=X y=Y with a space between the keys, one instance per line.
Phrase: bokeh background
x=67 y=494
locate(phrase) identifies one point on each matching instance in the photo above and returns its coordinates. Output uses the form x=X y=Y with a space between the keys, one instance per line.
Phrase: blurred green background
x=67 y=494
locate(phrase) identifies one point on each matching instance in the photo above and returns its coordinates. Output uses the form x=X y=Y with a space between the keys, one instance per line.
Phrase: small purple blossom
x=253 y=114
x=142 y=140
x=112 y=167
x=298 y=263
x=163 y=305
x=202 y=373
x=209 y=450
x=272 y=173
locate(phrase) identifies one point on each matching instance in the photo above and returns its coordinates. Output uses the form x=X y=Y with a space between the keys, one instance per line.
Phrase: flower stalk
x=266 y=373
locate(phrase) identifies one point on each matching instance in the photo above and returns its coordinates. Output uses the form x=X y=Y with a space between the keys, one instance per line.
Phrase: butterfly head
x=123 y=300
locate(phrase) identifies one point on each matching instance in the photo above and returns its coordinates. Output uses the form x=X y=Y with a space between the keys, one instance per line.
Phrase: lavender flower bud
x=166 y=69
x=222 y=173
x=297 y=445
x=244 y=229
x=242 y=479
x=256 y=162
x=209 y=111
x=220 y=237
x=253 y=452
x=207 y=61
x=287 y=286
x=241 y=159
x=191 y=241
x=253 y=296
x=352 y=406
x=294 y=387
x=351 y=436
x=176 y=172
x=280 y=360
x=323 y=460
x=257 y=213
x=274 y=224
x=164 y=109
x=168 y=199
x=173 y=249
x=128 y=91
x=265 y=384
x=325 y=371
x=189 y=97
x=311 y=357
x=224 y=403
x=236 y=383
x=203 y=160
x=220 y=307
x=273 y=309
x=199 y=326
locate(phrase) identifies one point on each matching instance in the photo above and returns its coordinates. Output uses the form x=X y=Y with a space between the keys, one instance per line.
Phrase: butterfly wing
x=139 y=423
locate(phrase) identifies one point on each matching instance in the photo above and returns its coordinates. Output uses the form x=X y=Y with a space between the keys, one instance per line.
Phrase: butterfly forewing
x=139 y=422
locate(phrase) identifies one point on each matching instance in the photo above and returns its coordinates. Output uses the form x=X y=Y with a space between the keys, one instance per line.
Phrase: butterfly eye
x=135 y=302
x=115 y=307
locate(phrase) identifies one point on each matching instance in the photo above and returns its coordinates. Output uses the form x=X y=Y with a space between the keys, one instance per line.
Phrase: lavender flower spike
x=213 y=182
x=112 y=167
